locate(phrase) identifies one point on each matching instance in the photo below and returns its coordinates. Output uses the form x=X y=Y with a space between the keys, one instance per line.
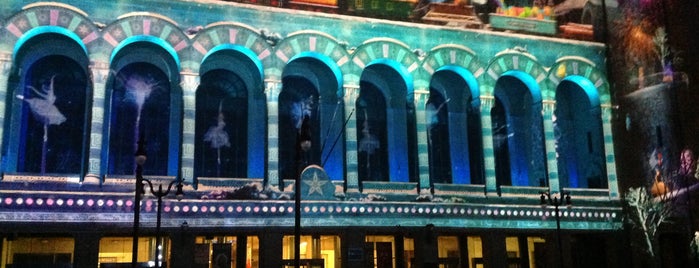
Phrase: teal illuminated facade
x=421 y=130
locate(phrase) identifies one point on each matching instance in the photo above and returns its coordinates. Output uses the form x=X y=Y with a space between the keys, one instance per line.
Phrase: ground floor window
x=384 y=251
x=448 y=251
x=117 y=251
x=525 y=251
x=226 y=251
x=408 y=251
x=317 y=251
x=474 y=247
x=33 y=252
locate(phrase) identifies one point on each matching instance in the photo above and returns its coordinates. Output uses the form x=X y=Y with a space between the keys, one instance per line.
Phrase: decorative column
x=272 y=90
x=550 y=146
x=488 y=151
x=5 y=66
x=190 y=82
x=352 y=177
x=609 y=151
x=100 y=74
x=421 y=97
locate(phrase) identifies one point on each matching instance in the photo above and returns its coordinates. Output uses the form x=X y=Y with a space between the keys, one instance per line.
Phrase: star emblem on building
x=315 y=184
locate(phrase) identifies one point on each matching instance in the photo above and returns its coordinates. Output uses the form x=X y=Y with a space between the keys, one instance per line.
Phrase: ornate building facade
x=431 y=145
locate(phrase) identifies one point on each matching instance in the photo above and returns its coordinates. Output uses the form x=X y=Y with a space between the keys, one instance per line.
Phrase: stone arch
x=227 y=35
x=313 y=44
x=239 y=59
x=456 y=55
x=509 y=60
x=388 y=49
x=45 y=17
x=140 y=26
x=574 y=65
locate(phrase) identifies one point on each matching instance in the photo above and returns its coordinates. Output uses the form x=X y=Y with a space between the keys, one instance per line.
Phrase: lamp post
x=160 y=193
x=303 y=144
x=140 y=158
x=556 y=200
x=140 y=191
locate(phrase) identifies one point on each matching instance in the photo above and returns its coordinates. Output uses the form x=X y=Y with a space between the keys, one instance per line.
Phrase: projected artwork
x=52 y=117
x=371 y=128
x=217 y=137
x=298 y=99
x=140 y=101
x=438 y=138
x=221 y=130
x=44 y=110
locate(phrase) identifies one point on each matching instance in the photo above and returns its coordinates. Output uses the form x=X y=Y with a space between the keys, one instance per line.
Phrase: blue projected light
x=150 y=39
x=43 y=30
x=241 y=49
x=521 y=121
x=528 y=81
x=587 y=86
x=327 y=61
x=468 y=77
x=458 y=140
x=572 y=145
x=402 y=71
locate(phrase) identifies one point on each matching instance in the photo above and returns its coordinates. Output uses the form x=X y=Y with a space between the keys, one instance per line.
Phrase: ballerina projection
x=43 y=108
x=218 y=137
x=369 y=143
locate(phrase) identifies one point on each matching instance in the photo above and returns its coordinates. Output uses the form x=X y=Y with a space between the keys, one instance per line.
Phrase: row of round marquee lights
x=315 y=208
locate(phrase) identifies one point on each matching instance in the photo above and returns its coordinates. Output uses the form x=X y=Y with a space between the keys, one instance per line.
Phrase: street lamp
x=303 y=144
x=556 y=200
x=140 y=191
x=140 y=158
x=160 y=193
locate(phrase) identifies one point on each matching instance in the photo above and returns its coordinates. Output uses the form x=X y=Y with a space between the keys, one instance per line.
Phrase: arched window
x=311 y=86
x=579 y=136
x=140 y=109
x=454 y=128
x=438 y=138
x=231 y=115
x=386 y=124
x=501 y=149
x=298 y=99
x=518 y=138
x=372 y=143
x=48 y=111
x=144 y=102
x=222 y=126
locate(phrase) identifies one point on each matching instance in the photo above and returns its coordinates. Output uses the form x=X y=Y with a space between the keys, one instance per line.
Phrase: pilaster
x=190 y=82
x=352 y=177
x=5 y=67
x=612 y=182
x=100 y=74
x=488 y=151
x=421 y=97
x=550 y=146
x=272 y=90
